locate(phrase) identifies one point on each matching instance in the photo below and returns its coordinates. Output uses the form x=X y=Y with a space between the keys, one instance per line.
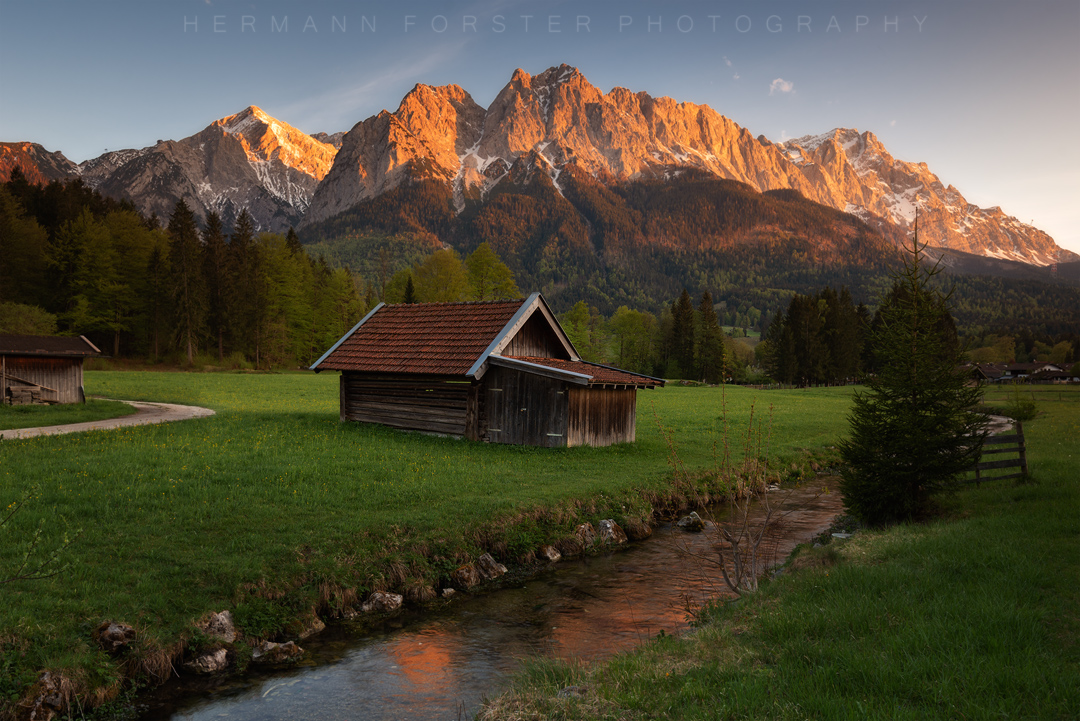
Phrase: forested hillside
x=643 y=274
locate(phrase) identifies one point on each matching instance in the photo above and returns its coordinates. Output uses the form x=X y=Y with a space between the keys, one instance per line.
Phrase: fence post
x=1023 y=448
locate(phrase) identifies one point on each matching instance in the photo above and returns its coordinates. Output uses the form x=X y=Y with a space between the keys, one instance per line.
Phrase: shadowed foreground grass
x=274 y=508
x=975 y=615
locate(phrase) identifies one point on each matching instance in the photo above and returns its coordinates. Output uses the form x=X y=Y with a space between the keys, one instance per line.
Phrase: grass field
x=974 y=615
x=32 y=416
x=275 y=495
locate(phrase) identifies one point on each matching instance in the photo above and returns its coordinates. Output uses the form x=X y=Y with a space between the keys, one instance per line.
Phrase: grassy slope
x=274 y=488
x=33 y=416
x=973 y=616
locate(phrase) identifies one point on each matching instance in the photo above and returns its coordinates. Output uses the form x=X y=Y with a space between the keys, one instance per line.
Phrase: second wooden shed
x=43 y=369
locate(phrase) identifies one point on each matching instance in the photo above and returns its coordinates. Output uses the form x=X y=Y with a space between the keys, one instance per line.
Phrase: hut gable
x=498 y=371
x=43 y=369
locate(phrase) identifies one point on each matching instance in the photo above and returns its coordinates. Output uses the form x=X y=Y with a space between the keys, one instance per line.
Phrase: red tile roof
x=600 y=375
x=427 y=338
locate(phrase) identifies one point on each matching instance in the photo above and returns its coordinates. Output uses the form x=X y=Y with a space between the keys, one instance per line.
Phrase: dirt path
x=145 y=414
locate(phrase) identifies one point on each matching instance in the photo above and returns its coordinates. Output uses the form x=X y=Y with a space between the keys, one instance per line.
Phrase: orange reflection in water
x=423 y=661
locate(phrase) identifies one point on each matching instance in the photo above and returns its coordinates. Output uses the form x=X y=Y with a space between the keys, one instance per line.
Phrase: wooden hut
x=499 y=371
x=43 y=369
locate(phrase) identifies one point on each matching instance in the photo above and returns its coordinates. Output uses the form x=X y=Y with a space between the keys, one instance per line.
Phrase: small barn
x=497 y=371
x=43 y=369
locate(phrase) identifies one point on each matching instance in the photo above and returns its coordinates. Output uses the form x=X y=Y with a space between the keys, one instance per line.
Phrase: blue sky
x=986 y=93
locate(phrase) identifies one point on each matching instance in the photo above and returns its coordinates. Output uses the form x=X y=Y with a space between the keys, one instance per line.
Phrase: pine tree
x=842 y=336
x=710 y=352
x=410 y=291
x=188 y=287
x=215 y=268
x=292 y=241
x=913 y=432
x=243 y=293
x=682 y=336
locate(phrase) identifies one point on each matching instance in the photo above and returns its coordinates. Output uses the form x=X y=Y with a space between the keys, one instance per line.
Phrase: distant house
x=43 y=369
x=1017 y=371
x=499 y=371
x=1040 y=372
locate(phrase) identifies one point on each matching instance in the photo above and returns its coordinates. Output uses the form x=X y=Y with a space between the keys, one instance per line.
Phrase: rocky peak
x=247 y=160
x=265 y=138
x=855 y=172
x=37 y=164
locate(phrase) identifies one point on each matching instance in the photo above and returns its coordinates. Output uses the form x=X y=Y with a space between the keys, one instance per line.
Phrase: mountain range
x=555 y=128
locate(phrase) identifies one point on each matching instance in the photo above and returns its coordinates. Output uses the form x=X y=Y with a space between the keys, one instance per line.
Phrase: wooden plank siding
x=601 y=416
x=523 y=409
x=535 y=339
x=410 y=402
x=60 y=379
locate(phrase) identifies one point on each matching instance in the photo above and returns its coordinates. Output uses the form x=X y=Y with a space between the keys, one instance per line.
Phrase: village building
x=43 y=369
x=1039 y=372
x=496 y=371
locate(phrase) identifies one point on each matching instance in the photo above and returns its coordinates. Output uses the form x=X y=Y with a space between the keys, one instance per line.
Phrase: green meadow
x=974 y=615
x=274 y=508
x=12 y=417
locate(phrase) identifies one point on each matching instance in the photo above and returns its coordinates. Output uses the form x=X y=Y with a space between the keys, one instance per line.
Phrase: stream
x=441 y=664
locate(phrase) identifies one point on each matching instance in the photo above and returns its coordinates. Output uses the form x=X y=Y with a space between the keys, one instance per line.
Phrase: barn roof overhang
x=578 y=372
x=540 y=370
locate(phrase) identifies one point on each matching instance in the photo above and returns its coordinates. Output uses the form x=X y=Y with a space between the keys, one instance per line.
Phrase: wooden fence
x=1012 y=444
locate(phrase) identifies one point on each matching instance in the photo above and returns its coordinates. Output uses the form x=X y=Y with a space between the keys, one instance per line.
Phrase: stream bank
x=440 y=664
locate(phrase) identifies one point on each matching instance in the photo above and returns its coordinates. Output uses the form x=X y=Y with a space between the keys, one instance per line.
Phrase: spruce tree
x=710 y=355
x=243 y=292
x=682 y=336
x=914 y=430
x=215 y=268
x=188 y=286
x=292 y=241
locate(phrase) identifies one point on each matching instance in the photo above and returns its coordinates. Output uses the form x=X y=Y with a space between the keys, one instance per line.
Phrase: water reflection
x=438 y=666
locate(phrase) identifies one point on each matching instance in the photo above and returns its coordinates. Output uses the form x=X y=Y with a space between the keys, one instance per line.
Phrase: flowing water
x=439 y=665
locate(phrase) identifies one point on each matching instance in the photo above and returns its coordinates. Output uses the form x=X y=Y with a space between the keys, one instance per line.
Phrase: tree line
x=73 y=261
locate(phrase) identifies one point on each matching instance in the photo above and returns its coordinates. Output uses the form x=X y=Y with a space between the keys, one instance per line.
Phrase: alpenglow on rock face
x=37 y=164
x=853 y=171
x=248 y=160
x=557 y=119
x=547 y=124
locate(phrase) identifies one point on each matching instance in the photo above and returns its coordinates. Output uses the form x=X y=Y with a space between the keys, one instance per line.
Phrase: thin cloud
x=781 y=86
x=727 y=62
x=339 y=107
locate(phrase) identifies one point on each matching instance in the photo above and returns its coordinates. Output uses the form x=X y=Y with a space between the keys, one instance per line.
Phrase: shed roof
x=458 y=339
x=427 y=338
x=47 y=345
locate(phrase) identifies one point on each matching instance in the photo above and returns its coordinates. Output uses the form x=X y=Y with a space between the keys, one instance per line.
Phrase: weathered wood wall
x=601 y=416
x=410 y=402
x=523 y=409
x=507 y=406
x=61 y=379
x=535 y=339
